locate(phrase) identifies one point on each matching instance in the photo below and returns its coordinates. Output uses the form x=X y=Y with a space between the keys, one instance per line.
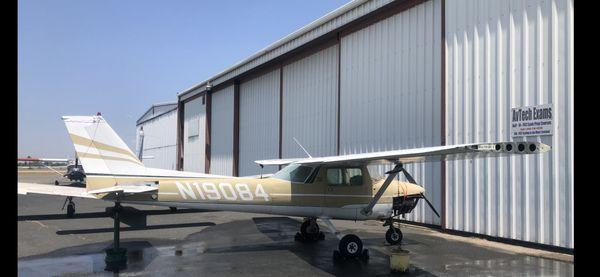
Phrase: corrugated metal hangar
x=159 y=141
x=380 y=75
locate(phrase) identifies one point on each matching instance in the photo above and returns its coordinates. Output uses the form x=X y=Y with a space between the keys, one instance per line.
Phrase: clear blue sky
x=119 y=57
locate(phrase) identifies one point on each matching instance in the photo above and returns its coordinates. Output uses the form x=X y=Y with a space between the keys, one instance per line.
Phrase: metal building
x=377 y=75
x=159 y=141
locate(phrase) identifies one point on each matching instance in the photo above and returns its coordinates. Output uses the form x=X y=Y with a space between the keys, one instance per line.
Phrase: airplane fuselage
x=319 y=198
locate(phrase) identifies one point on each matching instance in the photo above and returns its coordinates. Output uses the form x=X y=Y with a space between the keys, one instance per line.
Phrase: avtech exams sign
x=531 y=121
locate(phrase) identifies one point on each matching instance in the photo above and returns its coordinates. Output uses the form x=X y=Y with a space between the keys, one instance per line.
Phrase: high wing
x=31 y=188
x=425 y=154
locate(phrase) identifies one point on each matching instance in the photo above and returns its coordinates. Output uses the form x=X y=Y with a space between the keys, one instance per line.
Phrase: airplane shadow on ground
x=281 y=230
x=140 y=253
x=100 y=214
x=125 y=229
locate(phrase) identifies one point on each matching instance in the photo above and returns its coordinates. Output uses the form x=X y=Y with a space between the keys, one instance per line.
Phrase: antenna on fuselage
x=303 y=149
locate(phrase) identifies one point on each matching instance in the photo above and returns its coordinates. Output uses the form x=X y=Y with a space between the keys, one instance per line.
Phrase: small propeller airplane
x=337 y=187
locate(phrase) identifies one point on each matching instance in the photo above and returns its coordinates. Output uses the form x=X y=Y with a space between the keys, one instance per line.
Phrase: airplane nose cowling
x=409 y=188
x=419 y=189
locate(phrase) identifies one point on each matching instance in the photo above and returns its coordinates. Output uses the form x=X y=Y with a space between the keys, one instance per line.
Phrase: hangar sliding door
x=259 y=122
x=221 y=147
x=194 y=135
x=503 y=55
x=390 y=93
x=310 y=105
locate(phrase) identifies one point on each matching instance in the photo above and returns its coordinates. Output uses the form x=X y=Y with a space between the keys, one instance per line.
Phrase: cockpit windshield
x=375 y=173
x=295 y=173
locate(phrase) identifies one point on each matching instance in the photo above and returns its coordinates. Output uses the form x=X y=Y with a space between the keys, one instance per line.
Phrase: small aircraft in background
x=336 y=187
x=75 y=172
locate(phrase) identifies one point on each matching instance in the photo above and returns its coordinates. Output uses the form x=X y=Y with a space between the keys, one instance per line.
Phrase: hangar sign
x=531 y=121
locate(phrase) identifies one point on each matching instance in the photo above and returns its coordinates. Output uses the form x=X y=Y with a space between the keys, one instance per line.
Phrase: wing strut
x=391 y=175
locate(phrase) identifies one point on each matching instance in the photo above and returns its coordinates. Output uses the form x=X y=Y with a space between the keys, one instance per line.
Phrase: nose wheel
x=393 y=236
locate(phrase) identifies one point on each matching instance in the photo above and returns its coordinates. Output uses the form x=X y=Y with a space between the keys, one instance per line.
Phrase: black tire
x=70 y=209
x=173 y=209
x=393 y=238
x=350 y=246
x=309 y=233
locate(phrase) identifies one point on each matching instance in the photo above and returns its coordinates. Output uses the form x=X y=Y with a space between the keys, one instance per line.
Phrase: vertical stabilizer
x=99 y=149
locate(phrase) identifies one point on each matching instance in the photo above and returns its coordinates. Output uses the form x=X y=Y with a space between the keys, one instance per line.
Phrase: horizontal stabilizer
x=31 y=188
x=125 y=189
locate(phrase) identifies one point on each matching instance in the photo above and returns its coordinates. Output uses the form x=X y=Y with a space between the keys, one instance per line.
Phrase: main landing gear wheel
x=393 y=236
x=350 y=246
x=70 y=206
x=309 y=231
x=70 y=209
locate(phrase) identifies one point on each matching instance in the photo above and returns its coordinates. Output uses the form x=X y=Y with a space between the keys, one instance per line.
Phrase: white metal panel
x=290 y=44
x=162 y=157
x=194 y=135
x=259 y=122
x=221 y=140
x=390 y=92
x=160 y=136
x=504 y=54
x=310 y=105
x=318 y=31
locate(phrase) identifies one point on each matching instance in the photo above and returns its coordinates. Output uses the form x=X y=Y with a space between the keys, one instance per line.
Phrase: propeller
x=430 y=205
x=412 y=180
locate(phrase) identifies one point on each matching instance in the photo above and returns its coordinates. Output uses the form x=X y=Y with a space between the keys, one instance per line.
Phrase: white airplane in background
x=325 y=188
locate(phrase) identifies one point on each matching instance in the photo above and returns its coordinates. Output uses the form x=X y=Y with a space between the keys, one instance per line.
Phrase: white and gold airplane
x=337 y=187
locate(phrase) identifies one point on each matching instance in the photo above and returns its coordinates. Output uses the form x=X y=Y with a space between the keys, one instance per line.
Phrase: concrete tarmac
x=193 y=243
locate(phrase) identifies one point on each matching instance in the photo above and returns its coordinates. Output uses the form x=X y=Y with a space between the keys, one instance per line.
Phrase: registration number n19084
x=220 y=191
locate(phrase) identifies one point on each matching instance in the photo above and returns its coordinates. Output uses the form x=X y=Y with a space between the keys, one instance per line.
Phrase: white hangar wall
x=221 y=137
x=259 y=122
x=310 y=105
x=390 y=93
x=159 y=141
x=194 y=135
x=440 y=72
x=500 y=55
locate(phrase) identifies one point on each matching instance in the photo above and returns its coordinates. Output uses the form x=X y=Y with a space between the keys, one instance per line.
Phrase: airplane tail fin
x=99 y=149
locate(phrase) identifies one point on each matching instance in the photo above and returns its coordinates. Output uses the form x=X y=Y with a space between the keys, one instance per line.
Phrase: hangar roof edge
x=152 y=113
x=330 y=21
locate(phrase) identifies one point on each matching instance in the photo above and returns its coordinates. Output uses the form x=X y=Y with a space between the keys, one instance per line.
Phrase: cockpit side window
x=335 y=176
x=344 y=176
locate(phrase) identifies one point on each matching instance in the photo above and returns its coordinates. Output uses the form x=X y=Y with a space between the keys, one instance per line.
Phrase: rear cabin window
x=344 y=176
